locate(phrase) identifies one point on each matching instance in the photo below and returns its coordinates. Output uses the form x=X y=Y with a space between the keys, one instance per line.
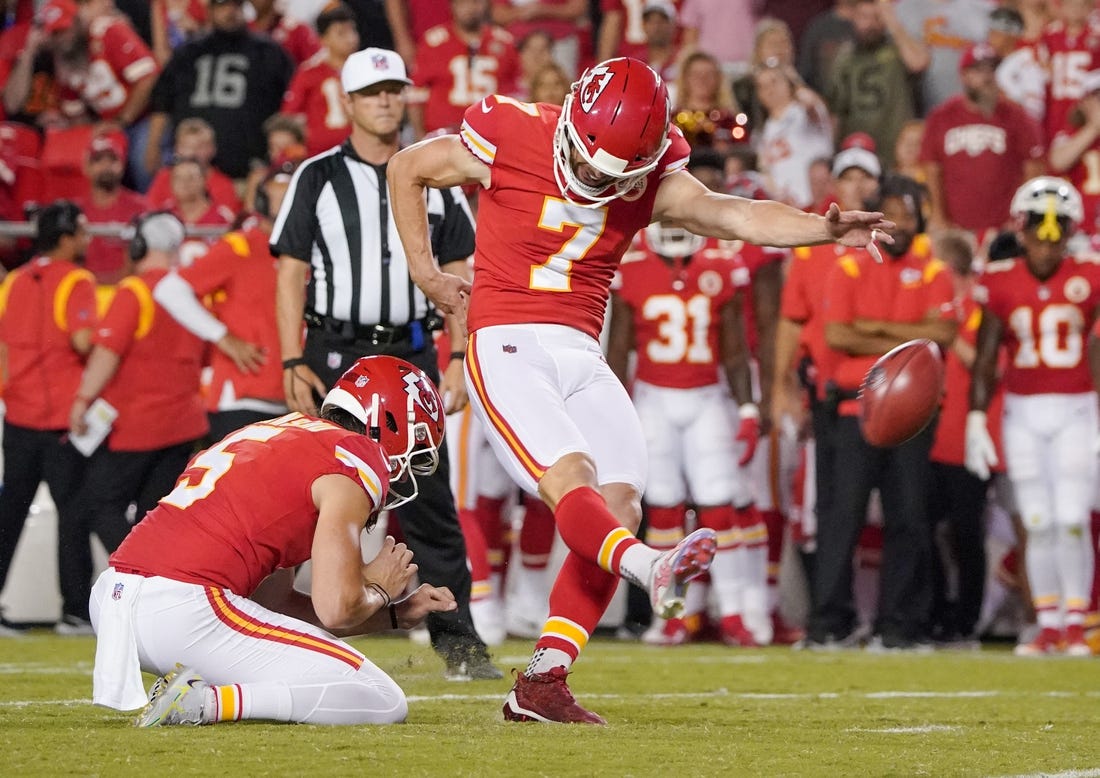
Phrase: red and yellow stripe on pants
x=249 y=625
x=524 y=457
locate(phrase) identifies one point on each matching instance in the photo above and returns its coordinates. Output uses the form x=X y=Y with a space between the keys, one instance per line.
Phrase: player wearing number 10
x=1042 y=307
x=564 y=189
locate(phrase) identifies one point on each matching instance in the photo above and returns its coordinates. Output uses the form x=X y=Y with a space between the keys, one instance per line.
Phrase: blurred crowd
x=203 y=108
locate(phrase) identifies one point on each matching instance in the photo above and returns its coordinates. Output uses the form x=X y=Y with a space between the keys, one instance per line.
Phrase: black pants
x=115 y=479
x=957 y=500
x=902 y=476
x=31 y=457
x=430 y=522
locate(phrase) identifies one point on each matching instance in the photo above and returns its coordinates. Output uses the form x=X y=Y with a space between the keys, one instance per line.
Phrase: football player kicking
x=204 y=583
x=1041 y=306
x=564 y=189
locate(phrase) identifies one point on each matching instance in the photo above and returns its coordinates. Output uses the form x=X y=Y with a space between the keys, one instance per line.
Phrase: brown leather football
x=900 y=393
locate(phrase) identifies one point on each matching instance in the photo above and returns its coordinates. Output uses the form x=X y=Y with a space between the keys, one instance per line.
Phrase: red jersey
x=156 y=388
x=905 y=289
x=1046 y=323
x=949 y=446
x=42 y=304
x=676 y=311
x=1085 y=175
x=117 y=59
x=1067 y=58
x=971 y=147
x=214 y=216
x=43 y=92
x=803 y=302
x=538 y=257
x=296 y=38
x=450 y=75
x=632 y=41
x=107 y=257
x=219 y=187
x=238 y=274
x=239 y=513
x=314 y=94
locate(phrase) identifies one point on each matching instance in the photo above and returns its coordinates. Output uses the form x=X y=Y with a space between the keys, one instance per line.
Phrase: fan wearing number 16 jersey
x=563 y=191
x=1041 y=307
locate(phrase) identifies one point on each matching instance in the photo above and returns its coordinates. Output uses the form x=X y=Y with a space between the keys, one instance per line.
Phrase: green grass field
x=700 y=710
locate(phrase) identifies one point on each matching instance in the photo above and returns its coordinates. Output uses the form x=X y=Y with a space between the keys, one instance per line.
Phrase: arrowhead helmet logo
x=422 y=396
x=592 y=86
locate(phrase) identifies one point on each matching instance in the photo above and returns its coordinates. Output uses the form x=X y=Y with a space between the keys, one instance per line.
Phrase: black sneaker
x=471 y=665
x=73 y=626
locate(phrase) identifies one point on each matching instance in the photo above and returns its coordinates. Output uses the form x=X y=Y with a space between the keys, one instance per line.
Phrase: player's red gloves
x=748 y=432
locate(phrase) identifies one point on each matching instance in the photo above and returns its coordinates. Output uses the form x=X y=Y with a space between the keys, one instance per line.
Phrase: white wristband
x=748 y=411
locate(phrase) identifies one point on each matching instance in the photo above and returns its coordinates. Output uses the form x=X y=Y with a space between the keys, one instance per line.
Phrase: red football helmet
x=402 y=410
x=616 y=116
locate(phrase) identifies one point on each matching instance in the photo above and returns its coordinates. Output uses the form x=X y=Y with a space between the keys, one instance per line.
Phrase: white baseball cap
x=859 y=157
x=372 y=66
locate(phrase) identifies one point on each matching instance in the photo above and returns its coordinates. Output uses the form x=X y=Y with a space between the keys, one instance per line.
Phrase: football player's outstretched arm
x=682 y=199
x=439 y=163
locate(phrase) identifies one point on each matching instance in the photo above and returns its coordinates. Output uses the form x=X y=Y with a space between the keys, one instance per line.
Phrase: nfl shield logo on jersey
x=117 y=593
x=335 y=360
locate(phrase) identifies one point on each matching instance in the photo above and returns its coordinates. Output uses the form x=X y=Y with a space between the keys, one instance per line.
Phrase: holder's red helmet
x=616 y=116
x=402 y=410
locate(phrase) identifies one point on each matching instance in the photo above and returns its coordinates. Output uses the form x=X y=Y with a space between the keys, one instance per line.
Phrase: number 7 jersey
x=1046 y=323
x=540 y=258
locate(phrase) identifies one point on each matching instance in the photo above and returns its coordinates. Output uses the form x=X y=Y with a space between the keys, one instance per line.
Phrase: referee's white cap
x=372 y=66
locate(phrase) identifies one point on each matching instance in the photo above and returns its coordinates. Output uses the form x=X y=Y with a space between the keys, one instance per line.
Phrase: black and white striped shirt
x=336 y=216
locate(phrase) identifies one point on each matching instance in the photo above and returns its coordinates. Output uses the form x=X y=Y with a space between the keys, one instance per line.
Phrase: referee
x=342 y=270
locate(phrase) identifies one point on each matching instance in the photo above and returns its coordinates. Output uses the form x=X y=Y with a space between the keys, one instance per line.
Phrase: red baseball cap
x=109 y=143
x=56 y=15
x=858 y=140
x=978 y=54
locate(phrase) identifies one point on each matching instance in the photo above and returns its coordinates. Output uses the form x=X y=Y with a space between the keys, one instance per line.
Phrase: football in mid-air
x=900 y=393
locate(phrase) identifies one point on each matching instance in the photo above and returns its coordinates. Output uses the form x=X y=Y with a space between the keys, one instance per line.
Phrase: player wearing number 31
x=564 y=189
x=1042 y=307
x=206 y=579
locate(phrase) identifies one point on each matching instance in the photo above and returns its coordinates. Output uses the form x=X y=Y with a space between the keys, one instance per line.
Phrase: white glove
x=980 y=451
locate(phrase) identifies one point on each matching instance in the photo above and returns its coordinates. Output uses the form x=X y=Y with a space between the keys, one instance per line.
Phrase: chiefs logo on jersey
x=593 y=85
x=1077 y=289
x=710 y=283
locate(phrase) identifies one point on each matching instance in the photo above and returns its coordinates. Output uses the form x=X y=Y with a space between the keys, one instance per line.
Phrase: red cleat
x=1076 y=643
x=735 y=633
x=546 y=697
x=1048 y=641
x=783 y=634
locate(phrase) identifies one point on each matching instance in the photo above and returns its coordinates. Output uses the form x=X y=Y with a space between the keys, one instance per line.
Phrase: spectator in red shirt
x=459 y=64
x=47 y=316
x=195 y=139
x=565 y=20
x=108 y=201
x=314 y=91
x=293 y=35
x=148 y=367
x=247 y=381
x=192 y=204
x=978 y=136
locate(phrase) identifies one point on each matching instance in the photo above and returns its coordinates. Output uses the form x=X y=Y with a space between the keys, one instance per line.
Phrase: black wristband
x=459 y=355
x=393 y=616
x=291 y=363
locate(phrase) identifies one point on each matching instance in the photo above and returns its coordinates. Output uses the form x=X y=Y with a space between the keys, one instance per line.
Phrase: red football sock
x=590 y=529
x=536 y=536
x=666 y=526
x=773 y=521
x=579 y=598
x=487 y=511
x=476 y=555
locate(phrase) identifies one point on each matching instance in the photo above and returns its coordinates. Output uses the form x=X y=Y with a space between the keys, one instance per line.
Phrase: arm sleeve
x=178 y=298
